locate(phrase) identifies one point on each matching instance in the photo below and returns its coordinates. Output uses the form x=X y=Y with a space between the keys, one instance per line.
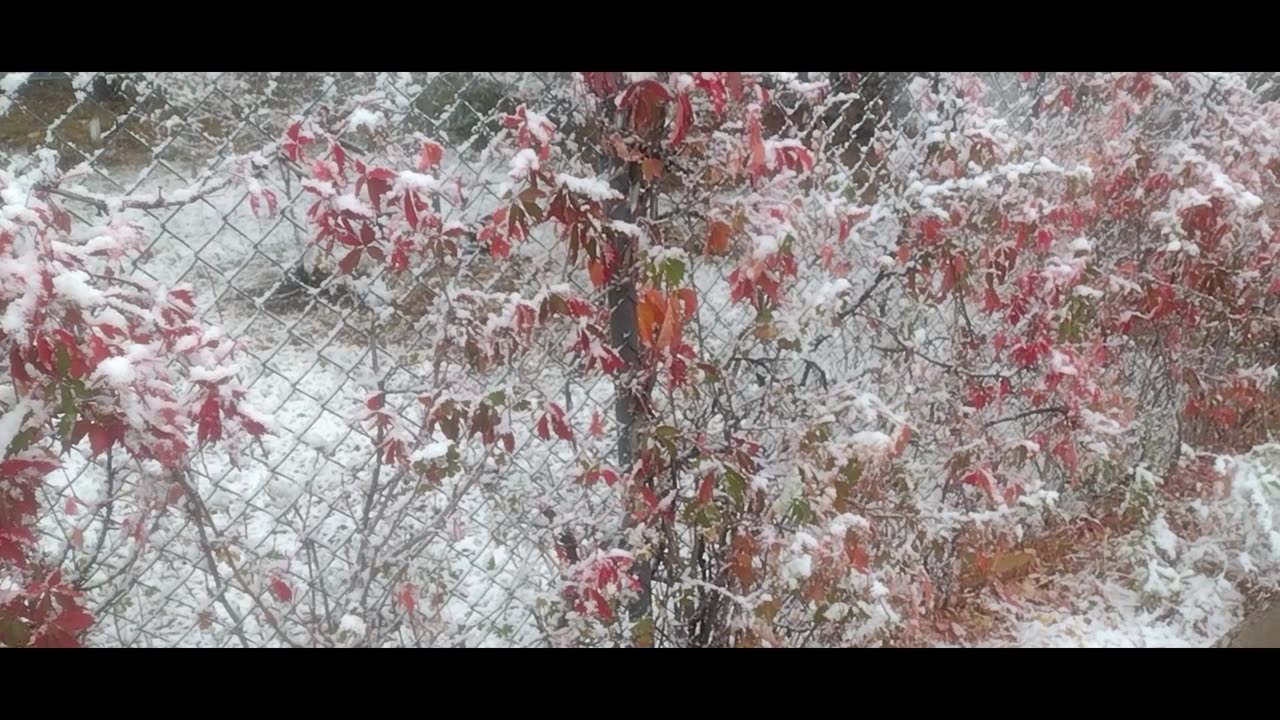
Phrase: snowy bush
x=729 y=382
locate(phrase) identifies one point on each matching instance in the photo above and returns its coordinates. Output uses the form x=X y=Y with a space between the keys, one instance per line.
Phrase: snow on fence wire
x=308 y=540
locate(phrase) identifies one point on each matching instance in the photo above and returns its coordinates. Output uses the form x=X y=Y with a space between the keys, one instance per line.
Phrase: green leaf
x=14 y=633
x=21 y=441
x=703 y=515
x=852 y=472
x=69 y=413
x=533 y=211
x=557 y=304
x=64 y=361
x=496 y=398
x=673 y=271
x=666 y=432
x=736 y=486
x=710 y=373
x=642 y=632
x=801 y=512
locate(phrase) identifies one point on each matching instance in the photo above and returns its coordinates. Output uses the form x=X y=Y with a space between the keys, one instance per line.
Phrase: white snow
x=10 y=82
x=214 y=375
x=871 y=442
x=1081 y=244
x=74 y=286
x=523 y=163
x=594 y=188
x=117 y=371
x=627 y=228
x=539 y=125
x=432 y=451
x=354 y=626
x=354 y=204
x=365 y=118
x=418 y=182
x=763 y=246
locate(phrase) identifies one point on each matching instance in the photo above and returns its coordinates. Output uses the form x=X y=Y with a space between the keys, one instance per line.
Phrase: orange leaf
x=670 y=333
x=757 y=144
x=596 y=270
x=718 y=238
x=651 y=168
x=690 y=301
x=708 y=484
x=647 y=315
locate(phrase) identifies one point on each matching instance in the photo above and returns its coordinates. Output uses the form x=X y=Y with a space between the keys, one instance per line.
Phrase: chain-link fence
x=309 y=540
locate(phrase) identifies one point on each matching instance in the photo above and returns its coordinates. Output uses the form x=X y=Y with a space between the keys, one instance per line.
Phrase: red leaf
x=410 y=213
x=74 y=619
x=562 y=429
x=858 y=557
x=18 y=366
x=499 y=246
x=100 y=439
x=1044 y=239
x=71 y=508
x=340 y=156
x=757 y=144
x=407 y=599
x=399 y=259
x=684 y=119
x=705 y=489
x=991 y=301
x=644 y=100
x=597 y=272
x=281 y=590
x=348 y=263
x=718 y=238
x=377 y=188
x=979 y=479
x=597 y=425
x=209 y=428
x=903 y=439
x=733 y=81
x=1066 y=451
x=931 y=227
x=431 y=156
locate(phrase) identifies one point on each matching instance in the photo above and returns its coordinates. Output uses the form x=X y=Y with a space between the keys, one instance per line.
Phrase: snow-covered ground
x=1161 y=586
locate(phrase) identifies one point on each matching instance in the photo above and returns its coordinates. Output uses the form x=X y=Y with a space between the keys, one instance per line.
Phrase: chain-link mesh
x=353 y=540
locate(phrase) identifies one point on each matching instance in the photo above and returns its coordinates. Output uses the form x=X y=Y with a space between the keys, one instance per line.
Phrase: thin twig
x=134 y=203
x=1060 y=409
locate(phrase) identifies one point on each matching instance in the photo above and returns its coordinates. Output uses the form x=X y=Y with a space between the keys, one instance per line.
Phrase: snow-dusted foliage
x=677 y=359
